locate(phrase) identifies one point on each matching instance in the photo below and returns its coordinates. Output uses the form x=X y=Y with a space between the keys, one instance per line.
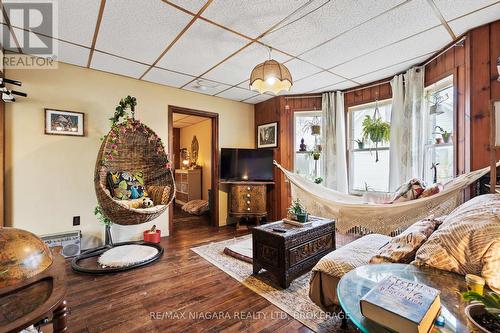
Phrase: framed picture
x=59 y=122
x=267 y=135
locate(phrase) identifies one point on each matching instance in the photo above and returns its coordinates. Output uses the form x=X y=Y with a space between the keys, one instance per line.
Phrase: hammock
x=353 y=215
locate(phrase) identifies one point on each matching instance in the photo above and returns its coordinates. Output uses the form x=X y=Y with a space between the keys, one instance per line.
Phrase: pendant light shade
x=270 y=76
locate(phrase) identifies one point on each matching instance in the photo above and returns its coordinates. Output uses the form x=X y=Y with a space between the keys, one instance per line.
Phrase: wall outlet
x=76 y=220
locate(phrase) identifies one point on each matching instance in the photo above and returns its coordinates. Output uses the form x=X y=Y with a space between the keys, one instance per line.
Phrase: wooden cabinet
x=188 y=184
x=248 y=200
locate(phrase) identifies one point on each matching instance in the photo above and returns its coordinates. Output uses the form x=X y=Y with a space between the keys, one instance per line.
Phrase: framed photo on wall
x=60 y=122
x=267 y=135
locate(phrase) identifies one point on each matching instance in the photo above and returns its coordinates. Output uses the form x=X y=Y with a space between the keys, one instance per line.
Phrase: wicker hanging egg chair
x=132 y=146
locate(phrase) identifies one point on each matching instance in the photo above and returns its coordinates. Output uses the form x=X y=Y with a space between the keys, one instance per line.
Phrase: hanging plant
x=376 y=130
x=313 y=125
x=120 y=110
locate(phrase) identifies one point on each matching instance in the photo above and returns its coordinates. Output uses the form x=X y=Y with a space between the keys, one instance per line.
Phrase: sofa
x=466 y=241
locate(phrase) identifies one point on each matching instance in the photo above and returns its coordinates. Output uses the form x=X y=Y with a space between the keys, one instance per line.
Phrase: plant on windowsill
x=318 y=180
x=361 y=143
x=444 y=134
x=485 y=311
x=297 y=212
x=376 y=130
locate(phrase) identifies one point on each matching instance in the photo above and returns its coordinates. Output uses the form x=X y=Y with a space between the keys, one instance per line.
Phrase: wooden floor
x=161 y=297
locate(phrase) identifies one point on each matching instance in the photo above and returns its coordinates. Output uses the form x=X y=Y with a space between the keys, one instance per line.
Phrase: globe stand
x=108 y=244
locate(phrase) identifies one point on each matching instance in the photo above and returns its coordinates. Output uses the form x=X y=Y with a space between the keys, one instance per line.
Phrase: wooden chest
x=248 y=200
x=291 y=254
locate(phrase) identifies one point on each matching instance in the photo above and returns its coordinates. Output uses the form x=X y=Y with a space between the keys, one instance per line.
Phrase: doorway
x=194 y=153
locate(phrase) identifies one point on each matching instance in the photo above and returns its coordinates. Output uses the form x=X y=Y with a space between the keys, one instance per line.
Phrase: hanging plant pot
x=376 y=130
x=315 y=129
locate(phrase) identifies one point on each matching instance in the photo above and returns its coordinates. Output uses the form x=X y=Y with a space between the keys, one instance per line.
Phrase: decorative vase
x=475 y=309
x=302 y=218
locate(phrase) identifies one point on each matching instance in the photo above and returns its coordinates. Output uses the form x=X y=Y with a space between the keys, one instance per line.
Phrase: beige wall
x=203 y=132
x=49 y=179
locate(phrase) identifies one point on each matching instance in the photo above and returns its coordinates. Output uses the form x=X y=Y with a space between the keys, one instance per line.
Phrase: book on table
x=402 y=305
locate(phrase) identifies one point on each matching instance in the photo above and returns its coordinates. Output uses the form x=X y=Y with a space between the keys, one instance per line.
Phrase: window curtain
x=408 y=128
x=334 y=142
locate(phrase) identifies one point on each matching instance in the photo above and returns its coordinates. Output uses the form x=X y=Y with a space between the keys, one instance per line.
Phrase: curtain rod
x=455 y=43
x=302 y=96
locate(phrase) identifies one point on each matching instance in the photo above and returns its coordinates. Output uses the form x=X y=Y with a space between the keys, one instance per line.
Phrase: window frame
x=306 y=113
x=351 y=148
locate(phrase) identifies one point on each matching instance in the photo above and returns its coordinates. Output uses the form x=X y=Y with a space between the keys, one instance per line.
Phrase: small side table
x=35 y=299
x=291 y=254
x=355 y=284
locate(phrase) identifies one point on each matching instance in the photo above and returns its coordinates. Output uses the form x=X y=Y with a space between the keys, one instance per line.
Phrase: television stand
x=248 y=199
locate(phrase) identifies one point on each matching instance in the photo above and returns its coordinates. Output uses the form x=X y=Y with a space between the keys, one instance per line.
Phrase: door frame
x=214 y=119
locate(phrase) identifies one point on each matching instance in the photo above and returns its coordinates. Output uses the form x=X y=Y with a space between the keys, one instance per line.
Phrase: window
x=304 y=160
x=440 y=147
x=364 y=172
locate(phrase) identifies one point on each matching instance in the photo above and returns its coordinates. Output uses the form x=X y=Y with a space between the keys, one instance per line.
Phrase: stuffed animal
x=147 y=202
x=134 y=192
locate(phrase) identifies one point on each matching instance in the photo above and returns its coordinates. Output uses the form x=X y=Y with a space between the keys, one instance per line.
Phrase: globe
x=22 y=255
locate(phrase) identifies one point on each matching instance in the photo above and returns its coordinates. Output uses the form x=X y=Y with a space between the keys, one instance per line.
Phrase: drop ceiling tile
x=35 y=40
x=191 y=5
x=390 y=71
x=323 y=24
x=139 y=32
x=451 y=9
x=200 y=48
x=112 y=64
x=258 y=99
x=206 y=87
x=237 y=94
x=463 y=24
x=72 y=54
x=245 y=85
x=166 y=77
x=178 y=116
x=336 y=87
x=424 y=43
x=316 y=81
x=300 y=69
x=258 y=15
x=77 y=20
x=238 y=68
x=379 y=32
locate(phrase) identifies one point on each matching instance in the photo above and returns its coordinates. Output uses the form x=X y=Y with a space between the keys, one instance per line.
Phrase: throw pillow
x=410 y=190
x=126 y=185
x=468 y=241
x=402 y=248
x=431 y=190
x=159 y=194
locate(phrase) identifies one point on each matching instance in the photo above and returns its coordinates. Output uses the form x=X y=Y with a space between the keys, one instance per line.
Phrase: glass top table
x=355 y=284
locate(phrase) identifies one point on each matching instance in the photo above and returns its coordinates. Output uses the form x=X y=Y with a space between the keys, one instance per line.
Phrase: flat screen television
x=246 y=164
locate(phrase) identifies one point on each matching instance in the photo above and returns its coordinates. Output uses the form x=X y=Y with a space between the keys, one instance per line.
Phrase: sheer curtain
x=408 y=128
x=334 y=142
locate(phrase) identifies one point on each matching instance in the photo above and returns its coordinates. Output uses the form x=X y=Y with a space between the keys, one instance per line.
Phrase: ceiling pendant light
x=270 y=76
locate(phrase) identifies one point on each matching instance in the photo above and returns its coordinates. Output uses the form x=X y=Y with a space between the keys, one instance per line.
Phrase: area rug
x=294 y=300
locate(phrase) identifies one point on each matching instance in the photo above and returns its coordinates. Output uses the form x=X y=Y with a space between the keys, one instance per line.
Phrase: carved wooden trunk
x=290 y=254
x=248 y=200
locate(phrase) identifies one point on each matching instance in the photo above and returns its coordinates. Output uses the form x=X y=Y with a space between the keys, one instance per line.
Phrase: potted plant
x=484 y=312
x=361 y=143
x=318 y=180
x=436 y=100
x=313 y=125
x=376 y=130
x=297 y=212
x=444 y=134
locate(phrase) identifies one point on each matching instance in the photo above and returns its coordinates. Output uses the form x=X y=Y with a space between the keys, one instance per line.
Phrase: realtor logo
x=30 y=28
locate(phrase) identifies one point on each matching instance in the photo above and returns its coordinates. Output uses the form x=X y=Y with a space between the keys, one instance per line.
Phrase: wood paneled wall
x=280 y=109
x=370 y=93
x=484 y=49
